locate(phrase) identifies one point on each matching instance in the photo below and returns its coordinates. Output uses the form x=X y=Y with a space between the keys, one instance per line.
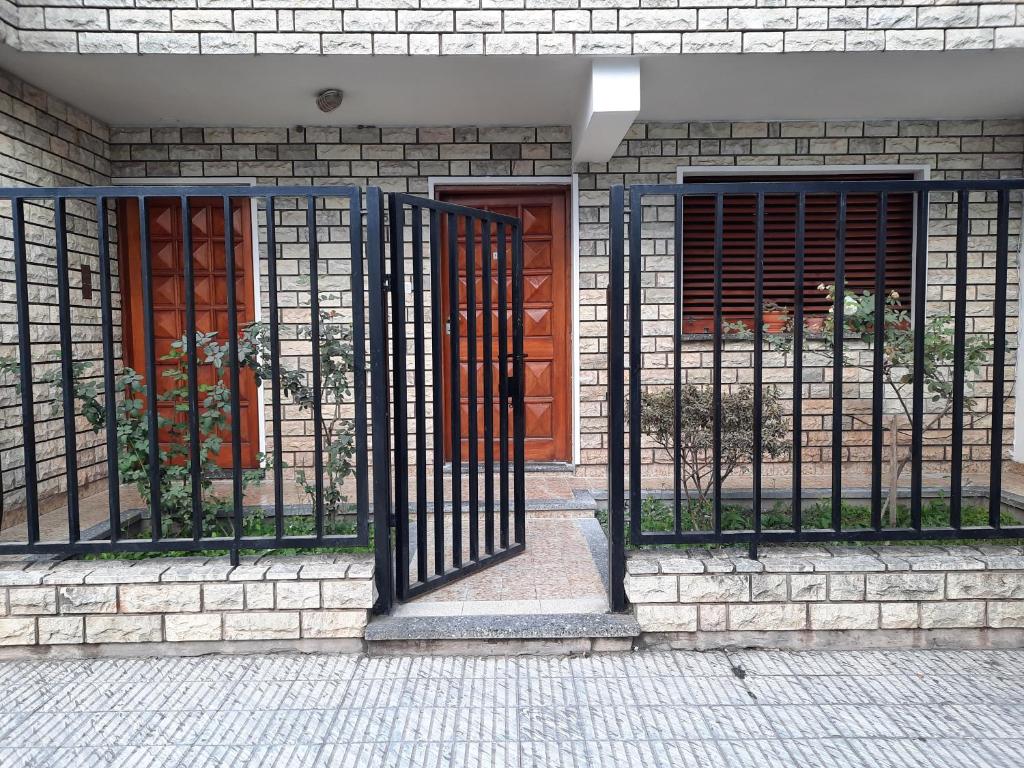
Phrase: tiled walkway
x=755 y=708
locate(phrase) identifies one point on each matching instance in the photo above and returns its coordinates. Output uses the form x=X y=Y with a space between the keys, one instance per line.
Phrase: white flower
x=850 y=306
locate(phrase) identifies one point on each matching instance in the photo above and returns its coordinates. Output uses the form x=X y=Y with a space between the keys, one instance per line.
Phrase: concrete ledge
x=184 y=606
x=579 y=646
x=820 y=596
x=502 y=628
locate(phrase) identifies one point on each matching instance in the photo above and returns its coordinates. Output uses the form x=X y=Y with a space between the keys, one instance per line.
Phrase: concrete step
x=563 y=633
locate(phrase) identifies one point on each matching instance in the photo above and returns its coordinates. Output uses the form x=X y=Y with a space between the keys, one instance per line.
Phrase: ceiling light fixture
x=329 y=100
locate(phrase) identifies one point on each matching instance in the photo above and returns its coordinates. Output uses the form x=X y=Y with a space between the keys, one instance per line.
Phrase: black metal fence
x=191 y=390
x=973 y=216
x=475 y=320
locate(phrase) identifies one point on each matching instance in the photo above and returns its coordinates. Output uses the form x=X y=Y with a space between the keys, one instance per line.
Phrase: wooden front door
x=544 y=211
x=169 y=318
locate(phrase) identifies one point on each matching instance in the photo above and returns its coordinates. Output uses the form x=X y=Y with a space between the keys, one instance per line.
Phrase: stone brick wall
x=402 y=159
x=521 y=27
x=969 y=149
x=45 y=142
x=805 y=595
x=189 y=600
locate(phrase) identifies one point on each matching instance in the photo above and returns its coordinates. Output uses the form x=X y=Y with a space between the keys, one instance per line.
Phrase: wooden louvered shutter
x=780 y=239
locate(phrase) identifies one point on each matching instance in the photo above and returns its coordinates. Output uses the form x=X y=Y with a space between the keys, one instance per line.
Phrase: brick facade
x=50 y=143
x=521 y=27
x=45 y=142
x=99 y=603
x=820 y=596
x=403 y=159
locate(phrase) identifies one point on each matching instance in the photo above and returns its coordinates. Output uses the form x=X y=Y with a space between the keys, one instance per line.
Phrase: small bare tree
x=696 y=435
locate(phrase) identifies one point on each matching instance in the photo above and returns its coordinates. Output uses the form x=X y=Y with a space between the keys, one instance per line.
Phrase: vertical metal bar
x=67 y=365
x=27 y=395
x=313 y=247
x=616 y=409
x=959 y=346
x=362 y=478
x=437 y=382
x=636 y=220
x=455 y=391
x=420 y=385
x=518 y=404
x=234 y=376
x=488 y=363
x=275 y=369
x=758 y=373
x=192 y=369
x=109 y=380
x=837 y=367
x=380 y=405
x=396 y=220
x=716 y=416
x=152 y=414
x=471 y=393
x=503 y=380
x=877 y=391
x=677 y=367
x=798 y=362
x=995 y=483
x=920 y=301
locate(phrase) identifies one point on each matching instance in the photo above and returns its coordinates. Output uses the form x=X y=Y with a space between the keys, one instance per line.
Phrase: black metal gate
x=456 y=292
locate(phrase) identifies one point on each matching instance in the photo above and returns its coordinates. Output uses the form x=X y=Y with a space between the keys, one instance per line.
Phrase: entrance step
x=553 y=633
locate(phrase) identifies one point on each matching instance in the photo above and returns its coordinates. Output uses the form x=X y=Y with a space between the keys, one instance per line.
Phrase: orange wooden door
x=169 y=318
x=546 y=341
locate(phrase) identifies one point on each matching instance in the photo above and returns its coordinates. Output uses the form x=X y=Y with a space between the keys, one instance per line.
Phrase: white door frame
x=572 y=182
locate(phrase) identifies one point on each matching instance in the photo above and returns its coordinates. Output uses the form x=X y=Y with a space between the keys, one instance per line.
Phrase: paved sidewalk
x=763 y=709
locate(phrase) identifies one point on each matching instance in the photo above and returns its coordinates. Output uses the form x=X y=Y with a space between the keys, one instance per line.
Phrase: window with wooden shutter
x=739 y=234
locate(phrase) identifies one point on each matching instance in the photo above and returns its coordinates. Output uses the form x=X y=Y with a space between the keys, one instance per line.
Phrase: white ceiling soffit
x=610 y=106
x=530 y=90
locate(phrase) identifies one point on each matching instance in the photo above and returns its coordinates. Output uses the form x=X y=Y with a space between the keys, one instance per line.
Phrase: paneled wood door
x=547 y=341
x=169 y=318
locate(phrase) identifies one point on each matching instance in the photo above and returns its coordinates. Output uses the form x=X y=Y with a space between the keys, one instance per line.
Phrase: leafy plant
x=337 y=364
x=696 y=434
x=174 y=453
x=898 y=367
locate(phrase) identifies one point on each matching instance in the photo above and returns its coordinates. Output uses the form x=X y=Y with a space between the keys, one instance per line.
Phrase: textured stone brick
x=713 y=618
x=987 y=584
x=768 y=587
x=767 y=617
x=714 y=588
x=900 y=615
x=846 y=586
x=87 y=599
x=298 y=594
x=807 y=587
x=844 y=616
x=61 y=630
x=348 y=594
x=905 y=586
x=223 y=597
x=667 y=618
x=652 y=589
x=17 y=631
x=261 y=625
x=1006 y=613
x=327 y=624
x=259 y=596
x=123 y=629
x=952 y=614
x=192 y=627
x=29 y=601
x=160 y=598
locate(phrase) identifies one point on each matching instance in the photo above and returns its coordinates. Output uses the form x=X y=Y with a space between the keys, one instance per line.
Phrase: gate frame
x=392 y=559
